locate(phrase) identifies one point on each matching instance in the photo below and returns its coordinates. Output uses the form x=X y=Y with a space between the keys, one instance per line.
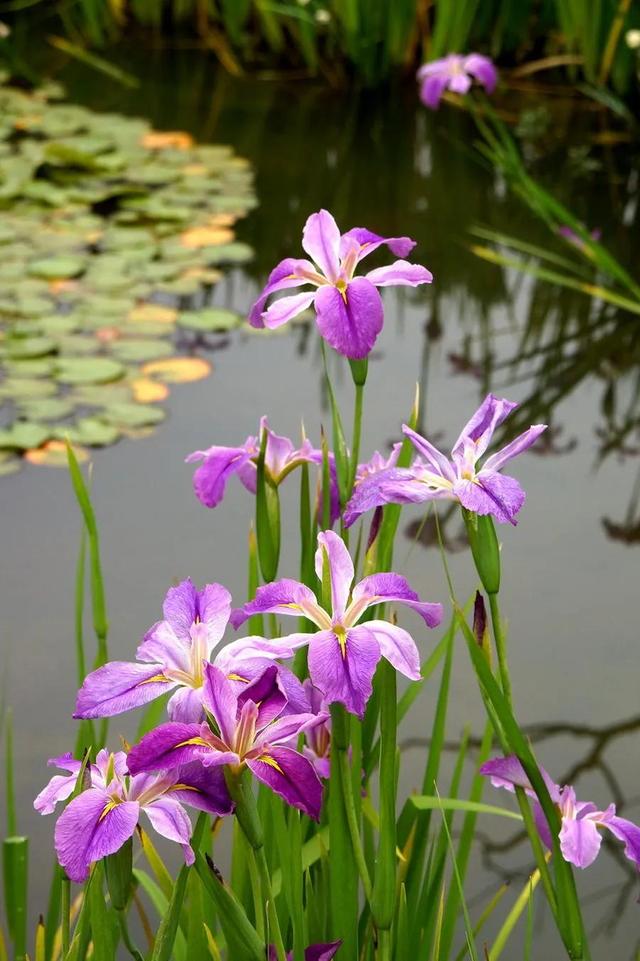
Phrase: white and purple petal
x=218 y=465
x=332 y=548
x=284 y=309
x=91 y=827
x=434 y=457
x=120 y=686
x=580 y=841
x=344 y=673
x=491 y=493
x=400 y=273
x=170 y=820
x=61 y=786
x=321 y=240
x=397 y=646
x=350 y=322
x=625 y=831
x=288 y=273
x=202 y=788
x=517 y=446
x=380 y=588
x=219 y=699
x=364 y=242
x=482 y=69
x=481 y=426
x=280 y=597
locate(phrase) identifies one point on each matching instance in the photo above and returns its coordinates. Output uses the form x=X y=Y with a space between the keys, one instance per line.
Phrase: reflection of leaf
x=88 y=370
x=178 y=370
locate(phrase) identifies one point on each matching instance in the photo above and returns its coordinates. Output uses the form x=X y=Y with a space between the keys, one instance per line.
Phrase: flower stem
x=339 y=748
x=356 y=434
x=249 y=821
x=383 y=950
x=501 y=647
x=384 y=891
x=65 y=914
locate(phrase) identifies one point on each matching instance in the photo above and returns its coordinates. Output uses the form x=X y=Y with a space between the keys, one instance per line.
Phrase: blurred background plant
x=368 y=39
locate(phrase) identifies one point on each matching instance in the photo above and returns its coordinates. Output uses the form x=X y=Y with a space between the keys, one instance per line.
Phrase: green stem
x=126 y=937
x=384 y=892
x=65 y=915
x=383 y=951
x=501 y=647
x=249 y=821
x=339 y=753
x=357 y=433
x=254 y=880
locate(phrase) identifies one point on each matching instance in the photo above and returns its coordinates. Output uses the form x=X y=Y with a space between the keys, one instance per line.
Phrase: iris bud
x=118 y=869
x=484 y=548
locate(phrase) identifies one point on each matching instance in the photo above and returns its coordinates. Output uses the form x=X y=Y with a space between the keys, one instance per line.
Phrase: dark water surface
x=570 y=589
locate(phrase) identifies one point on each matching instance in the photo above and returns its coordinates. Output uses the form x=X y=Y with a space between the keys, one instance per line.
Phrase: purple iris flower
x=433 y=476
x=348 y=309
x=580 y=836
x=252 y=730
x=455 y=72
x=343 y=654
x=103 y=818
x=280 y=458
x=318 y=738
x=316 y=952
x=172 y=655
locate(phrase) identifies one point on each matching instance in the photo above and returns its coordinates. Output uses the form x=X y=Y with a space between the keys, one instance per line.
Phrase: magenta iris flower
x=251 y=729
x=281 y=457
x=103 y=818
x=481 y=490
x=348 y=309
x=316 y=952
x=343 y=654
x=580 y=835
x=172 y=657
x=456 y=73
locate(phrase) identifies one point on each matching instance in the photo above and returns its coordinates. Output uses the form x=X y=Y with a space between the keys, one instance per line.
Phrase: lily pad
x=9 y=463
x=88 y=370
x=23 y=434
x=25 y=347
x=138 y=350
x=46 y=408
x=210 y=319
x=178 y=370
x=134 y=415
x=233 y=253
x=54 y=268
x=89 y=431
x=54 y=454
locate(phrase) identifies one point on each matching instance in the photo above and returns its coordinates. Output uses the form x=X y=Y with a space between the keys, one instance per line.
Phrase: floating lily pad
x=234 y=253
x=210 y=319
x=148 y=391
x=26 y=347
x=46 y=408
x=53 y=268
x=9 y=463
x=17 y=387
x=54 y=454
x=23 y=434
x=138 y=350
x=90 y=431
x=36 y=367
x=178 y=370
x=134 y=415
x=88 y=370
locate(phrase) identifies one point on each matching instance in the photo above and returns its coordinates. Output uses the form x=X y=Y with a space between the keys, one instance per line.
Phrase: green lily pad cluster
x=112 y=236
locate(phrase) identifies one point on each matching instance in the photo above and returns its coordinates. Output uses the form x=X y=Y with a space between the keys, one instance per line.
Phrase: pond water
x=570 y=568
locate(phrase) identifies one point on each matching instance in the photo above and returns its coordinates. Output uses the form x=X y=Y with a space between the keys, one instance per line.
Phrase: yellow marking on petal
x=237 y=677
x=192 y=741
x=111 y=804
x=341 y=634
x=266 y=759
x=291 y=605
x=184 y=787
x=156 y=679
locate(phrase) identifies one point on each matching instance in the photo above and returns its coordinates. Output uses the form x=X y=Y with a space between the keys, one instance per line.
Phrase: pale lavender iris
x=581 y=822
x=481 y=490
x=348 y=309
x=172 y=657
x=103 y=817
x=252 y=729
x=343 y=654
x=455 y=72
x=316 y=952
x=281 y=457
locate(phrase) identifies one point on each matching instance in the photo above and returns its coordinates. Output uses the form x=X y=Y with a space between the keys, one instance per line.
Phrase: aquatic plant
x=303 y=759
